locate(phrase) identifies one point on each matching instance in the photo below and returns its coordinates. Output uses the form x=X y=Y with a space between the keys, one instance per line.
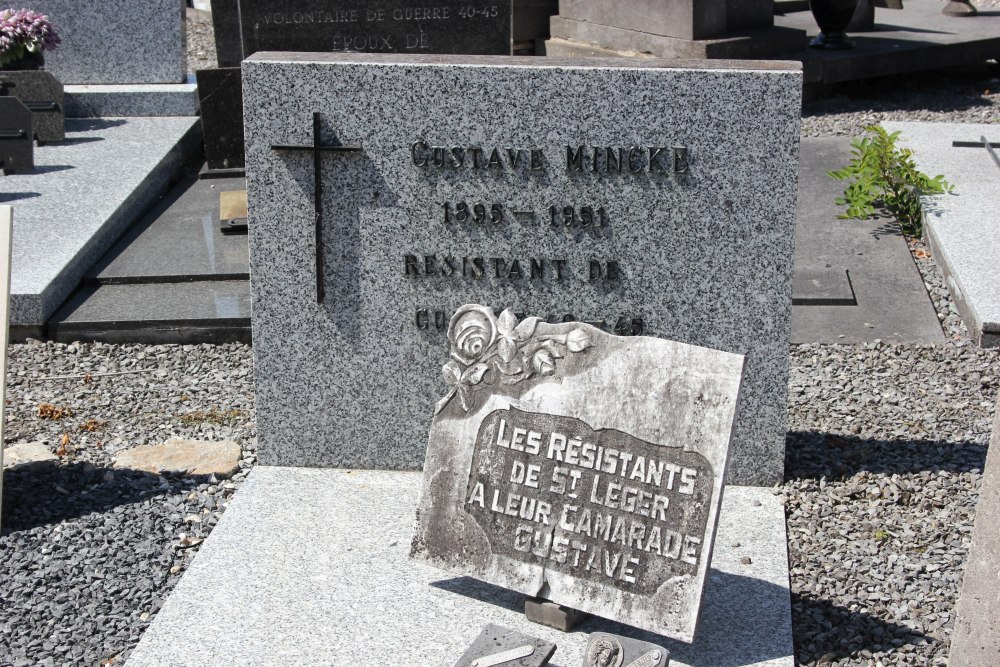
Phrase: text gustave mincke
x=653 y=161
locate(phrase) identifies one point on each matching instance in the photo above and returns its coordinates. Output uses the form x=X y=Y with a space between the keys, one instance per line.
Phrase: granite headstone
x=651 y=197
x=43 y=95
x=579 y=466
x=975 y=641
x=17 y=147
x=116 y=41
x=391 y=26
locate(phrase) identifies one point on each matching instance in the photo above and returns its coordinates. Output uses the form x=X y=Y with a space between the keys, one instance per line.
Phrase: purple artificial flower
x=23 y=31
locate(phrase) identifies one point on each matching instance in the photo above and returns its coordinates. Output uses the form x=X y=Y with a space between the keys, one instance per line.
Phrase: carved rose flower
x=472 y=332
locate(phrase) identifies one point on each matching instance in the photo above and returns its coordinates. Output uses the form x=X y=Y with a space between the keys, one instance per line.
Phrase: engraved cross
x=982 y=143
x=317 y=149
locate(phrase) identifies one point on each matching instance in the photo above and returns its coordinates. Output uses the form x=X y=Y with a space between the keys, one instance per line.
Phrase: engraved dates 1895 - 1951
x=461 y=213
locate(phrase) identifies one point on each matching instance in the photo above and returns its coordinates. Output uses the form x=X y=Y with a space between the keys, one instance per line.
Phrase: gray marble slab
x=118 y=100
x=82 y=195
x=892 y=303
x=178 y=239
x=553 y=470
x=962 y=228
x=116 y=41
x=310 y=567
x=702 y=256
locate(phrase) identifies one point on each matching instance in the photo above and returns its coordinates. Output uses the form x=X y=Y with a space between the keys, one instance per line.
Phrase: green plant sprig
x=883 y=177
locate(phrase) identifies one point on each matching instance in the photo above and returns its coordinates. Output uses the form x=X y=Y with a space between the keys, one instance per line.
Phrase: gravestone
x=386 y=191
x=677 y=29
x=116 y=41
x=17 y=147
x=244 y=27
x=43 y=95
x=975 y=641
x=390 y=26
x=220 y=94
x=582 y=467
x=226 y=24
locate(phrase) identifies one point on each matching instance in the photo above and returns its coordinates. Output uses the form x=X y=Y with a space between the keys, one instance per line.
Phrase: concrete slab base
x=963 y=228
x=83 y=194
x=840 y=261
x=310 y=567
x=112 y=101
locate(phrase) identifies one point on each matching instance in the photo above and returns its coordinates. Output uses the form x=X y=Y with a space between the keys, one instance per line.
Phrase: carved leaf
x=543 y=362
x=510 y=367
x=526 y=329
x=474 y=374
x=578 y=340
x=443 y=403
x=452 y=372
x=506 y=349
x=506 y=323
x=463 y=397
x=557 y=350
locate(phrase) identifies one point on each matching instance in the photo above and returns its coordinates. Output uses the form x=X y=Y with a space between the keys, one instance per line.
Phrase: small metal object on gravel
x=503 y=647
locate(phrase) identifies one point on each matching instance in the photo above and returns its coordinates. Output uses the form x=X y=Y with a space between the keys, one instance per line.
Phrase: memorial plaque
x=503 y=647
x=17 y=147
x=43 y=95
x=479 y=27
x=579 y=466
x=386 y=191
x=607 y=650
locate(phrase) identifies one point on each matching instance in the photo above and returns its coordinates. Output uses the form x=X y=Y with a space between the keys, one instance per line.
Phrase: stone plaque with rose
x=579 y=466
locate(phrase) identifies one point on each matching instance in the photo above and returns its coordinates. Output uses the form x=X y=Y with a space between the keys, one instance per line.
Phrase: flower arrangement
x=24 y=32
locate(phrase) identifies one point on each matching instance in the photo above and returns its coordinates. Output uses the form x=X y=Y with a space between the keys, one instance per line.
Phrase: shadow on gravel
x=814 y=454
x=825 y=633
x=48 y=494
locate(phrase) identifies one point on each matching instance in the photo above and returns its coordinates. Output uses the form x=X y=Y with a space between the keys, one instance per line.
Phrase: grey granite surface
x=963 y=228
x=179 y=239
x=892 y=304
x=524 y=468
x=36 y=88
x=976 y=638
x=82 y=195
x=704 y=256
x=116 y=41
x=310 y=567
x=117 y=100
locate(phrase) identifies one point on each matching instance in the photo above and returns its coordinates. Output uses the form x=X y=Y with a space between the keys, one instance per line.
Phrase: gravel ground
x=886 y=446
x=89 y=553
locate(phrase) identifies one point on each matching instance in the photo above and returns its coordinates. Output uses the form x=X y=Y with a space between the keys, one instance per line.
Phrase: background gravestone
x=975 y=642
x=116 y=41
x=467 y=189
x=446 y=26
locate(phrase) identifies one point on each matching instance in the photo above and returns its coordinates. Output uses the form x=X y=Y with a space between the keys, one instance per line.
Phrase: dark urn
x=832 y=17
